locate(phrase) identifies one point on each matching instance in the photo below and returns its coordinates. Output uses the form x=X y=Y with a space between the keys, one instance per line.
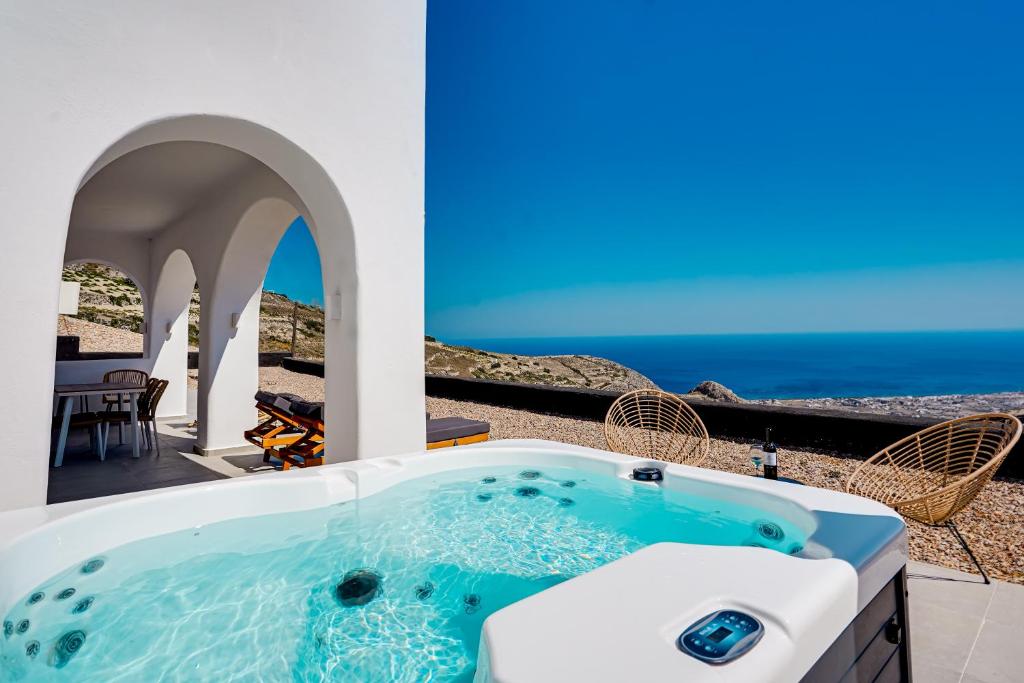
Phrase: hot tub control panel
x=721 y=636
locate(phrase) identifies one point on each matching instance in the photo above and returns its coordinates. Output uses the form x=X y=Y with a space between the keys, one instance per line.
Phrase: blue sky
x=629 y=167
x=295 y=267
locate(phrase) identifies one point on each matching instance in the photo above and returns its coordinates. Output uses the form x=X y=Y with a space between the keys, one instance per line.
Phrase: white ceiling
x=147 y=189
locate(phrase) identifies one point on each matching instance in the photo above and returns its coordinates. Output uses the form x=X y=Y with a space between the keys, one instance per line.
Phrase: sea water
x=806 y=365
x=257 y=598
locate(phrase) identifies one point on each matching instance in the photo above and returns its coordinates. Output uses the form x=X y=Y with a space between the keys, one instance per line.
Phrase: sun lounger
x=307 y=450
x=279 y=428
x=284 y=428
x=455 y=431
x=292 y=434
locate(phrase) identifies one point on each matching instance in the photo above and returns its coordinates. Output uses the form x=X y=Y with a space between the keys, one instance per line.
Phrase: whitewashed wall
x=329 y=95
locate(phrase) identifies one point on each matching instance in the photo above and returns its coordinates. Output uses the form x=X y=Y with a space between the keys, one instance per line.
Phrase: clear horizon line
x=737 y=334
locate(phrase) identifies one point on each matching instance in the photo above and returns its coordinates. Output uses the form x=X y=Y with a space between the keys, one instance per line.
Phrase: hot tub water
x=447 y=550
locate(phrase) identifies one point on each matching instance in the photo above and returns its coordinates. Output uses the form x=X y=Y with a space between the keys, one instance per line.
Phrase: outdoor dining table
x=66 y=395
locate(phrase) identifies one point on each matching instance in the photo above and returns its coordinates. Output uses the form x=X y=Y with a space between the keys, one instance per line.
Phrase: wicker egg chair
x=934 y=474
x=655 y=424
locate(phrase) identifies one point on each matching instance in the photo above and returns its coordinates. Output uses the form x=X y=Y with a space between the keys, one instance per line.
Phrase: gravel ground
x=993 y=524
x=96 y=337
x=278 y=379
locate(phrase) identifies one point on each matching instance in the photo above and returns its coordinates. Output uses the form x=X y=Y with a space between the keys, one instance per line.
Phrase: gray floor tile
x=197 y=472
x=181 y=468
x=926 y=673
x=85 y=476
x=951 y=590
x=940 y=638
x=922 y=568
x=997 y=655
x=1007 y=606
x=79 y=473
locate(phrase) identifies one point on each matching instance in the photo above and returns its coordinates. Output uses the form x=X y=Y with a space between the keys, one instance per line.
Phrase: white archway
x=229 y=241
x=361 y=130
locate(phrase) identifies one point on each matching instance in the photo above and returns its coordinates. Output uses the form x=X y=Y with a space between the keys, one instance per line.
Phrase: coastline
x=942 y=407
x=805 y=366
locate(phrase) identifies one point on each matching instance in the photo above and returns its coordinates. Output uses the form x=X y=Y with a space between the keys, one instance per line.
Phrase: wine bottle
x=771 y=456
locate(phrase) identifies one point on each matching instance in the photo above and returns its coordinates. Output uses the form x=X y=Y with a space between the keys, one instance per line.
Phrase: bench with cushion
x=455 y=431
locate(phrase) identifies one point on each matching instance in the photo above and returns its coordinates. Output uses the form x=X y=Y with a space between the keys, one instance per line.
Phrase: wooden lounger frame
x=307 y=450
x=279 y=429
x=284 y=430
x=461 y=441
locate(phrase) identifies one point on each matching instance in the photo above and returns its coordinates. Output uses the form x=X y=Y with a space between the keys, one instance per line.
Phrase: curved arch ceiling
x=149 y=188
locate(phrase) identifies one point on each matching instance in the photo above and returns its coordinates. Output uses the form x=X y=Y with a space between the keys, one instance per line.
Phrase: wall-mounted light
x=168 y=327
x=334 y=307
x=235 y=317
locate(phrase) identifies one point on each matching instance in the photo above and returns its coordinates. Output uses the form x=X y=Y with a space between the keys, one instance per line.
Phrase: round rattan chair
x=934 y=474
x=655 y=424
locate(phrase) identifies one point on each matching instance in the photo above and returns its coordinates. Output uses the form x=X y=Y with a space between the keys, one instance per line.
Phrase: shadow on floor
x=957 y=579
x=250 y=462
x=83 y=475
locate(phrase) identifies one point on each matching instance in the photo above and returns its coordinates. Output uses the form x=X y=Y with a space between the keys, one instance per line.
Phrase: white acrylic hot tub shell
x=620 y=622
x=588 y=628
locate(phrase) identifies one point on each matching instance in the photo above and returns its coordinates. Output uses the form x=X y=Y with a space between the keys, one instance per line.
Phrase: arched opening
x=195 y=200
x=291 y=309
x=102 y=313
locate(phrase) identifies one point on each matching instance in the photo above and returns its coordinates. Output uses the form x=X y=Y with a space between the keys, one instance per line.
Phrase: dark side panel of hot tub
x=875 y=647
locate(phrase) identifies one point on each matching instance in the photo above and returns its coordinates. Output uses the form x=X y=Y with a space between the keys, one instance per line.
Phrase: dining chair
x=146 y=413
x=124 y=376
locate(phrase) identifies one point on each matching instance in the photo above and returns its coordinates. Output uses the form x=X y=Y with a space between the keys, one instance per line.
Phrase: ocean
x=806 y=365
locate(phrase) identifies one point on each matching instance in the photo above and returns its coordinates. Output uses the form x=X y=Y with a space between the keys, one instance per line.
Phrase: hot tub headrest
x=447 y=428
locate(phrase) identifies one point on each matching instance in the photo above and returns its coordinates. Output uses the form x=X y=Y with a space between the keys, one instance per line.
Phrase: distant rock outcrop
x=716 y=392
x=564 y=371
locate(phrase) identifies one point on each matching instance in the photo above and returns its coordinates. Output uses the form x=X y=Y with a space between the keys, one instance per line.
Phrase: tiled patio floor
x=962 y=630
x=83 y=475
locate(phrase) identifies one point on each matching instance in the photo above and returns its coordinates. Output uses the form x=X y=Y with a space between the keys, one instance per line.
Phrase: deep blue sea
x=806 y=365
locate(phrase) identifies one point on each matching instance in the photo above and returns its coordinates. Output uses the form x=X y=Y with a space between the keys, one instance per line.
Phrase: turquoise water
x=256 y=598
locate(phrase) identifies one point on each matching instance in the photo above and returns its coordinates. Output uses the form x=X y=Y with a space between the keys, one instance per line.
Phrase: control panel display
x=721 y=637
x=719 y=634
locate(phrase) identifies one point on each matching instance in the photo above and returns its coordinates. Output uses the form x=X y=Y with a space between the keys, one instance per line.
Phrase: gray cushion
x=446 y=428
x=282 y=401
x=308 y=409
x=266 y=397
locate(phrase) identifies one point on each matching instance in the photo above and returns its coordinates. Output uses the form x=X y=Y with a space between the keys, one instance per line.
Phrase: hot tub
x=510 y=561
